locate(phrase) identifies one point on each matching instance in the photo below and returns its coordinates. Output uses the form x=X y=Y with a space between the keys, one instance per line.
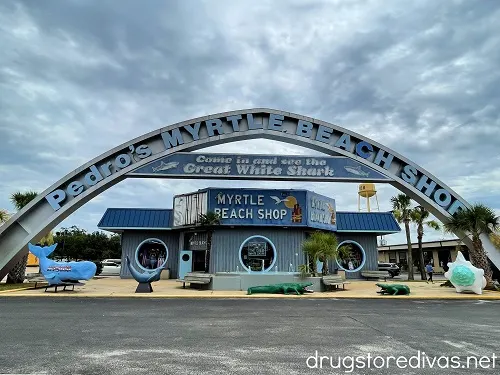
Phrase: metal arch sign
x=293 y=129
x=94 y=177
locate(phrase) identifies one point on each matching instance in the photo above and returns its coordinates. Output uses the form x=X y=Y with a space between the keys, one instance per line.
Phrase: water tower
x=367 y=191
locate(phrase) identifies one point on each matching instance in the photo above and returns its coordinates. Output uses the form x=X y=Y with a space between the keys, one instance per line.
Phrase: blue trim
x=362 y=250
x=137 y=254
x=274 y=250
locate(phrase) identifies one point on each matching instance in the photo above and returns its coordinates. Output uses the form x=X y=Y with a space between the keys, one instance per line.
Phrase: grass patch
x=16 y=286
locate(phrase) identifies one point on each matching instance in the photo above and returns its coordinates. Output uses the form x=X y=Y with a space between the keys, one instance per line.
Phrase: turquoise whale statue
x=144 y=279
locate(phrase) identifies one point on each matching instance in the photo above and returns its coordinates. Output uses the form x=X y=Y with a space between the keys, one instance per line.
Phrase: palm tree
x=209 y=220
x=475 y=221
x=323 y=246
x=19 y=200
x=419 y=216
x=401 y=205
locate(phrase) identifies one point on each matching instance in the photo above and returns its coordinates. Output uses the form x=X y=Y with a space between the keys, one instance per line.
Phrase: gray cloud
x=80 y=77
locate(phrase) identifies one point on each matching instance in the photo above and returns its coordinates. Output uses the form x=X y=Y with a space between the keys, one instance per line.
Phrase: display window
x=151 y=254
x=356 y=258
x=257 y=254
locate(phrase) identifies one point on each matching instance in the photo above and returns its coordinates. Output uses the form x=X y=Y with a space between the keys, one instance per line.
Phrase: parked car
x=117 y=261
x=110 y=268
x=392 y=268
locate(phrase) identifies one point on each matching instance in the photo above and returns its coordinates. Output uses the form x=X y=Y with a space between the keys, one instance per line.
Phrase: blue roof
x=136 y=218
x=148 y=218
x=375 y=222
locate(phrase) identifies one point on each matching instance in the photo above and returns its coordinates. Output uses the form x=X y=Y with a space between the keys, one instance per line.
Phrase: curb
x=14 y=290
x=244 y=296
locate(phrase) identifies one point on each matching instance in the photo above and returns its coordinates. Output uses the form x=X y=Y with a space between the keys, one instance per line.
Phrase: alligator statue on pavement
x=285 y=288
x=394 y=289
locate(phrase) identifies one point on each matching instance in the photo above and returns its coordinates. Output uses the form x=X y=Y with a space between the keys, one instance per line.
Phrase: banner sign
x=264 y=207
x=259 y=167
x=321 y=211
x=196 y=241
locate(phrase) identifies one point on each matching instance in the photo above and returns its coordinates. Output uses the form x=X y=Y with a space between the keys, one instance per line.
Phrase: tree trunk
x=480 y=259
x=17 y=274
x=420 y=234
x=325 y=267
x=209 y=248
x=410 y=255
x=312 y=266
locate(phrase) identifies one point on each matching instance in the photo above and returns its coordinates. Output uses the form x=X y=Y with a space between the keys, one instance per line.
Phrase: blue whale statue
x=60 y=272
x=147 y=276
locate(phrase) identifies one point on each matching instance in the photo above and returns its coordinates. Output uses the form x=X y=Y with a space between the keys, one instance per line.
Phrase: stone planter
x=165 y=274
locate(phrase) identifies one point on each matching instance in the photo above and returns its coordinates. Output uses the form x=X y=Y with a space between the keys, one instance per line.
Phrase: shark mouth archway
x=133 y=158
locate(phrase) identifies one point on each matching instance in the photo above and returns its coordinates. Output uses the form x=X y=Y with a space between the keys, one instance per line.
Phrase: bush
x=304 y=271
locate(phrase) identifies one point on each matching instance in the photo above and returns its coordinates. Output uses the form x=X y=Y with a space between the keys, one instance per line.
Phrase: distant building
x=439 y=253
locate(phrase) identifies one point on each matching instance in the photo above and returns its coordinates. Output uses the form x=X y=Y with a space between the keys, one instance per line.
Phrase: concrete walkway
x=116 y=287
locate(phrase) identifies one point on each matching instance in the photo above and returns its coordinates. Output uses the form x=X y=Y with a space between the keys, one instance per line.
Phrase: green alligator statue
x=394 y=289
x=297 y=288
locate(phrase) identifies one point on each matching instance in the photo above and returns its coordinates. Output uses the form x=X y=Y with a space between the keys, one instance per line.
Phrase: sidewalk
x=116 y=287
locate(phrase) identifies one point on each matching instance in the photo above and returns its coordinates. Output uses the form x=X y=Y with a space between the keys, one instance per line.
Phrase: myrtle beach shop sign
x=210 y=132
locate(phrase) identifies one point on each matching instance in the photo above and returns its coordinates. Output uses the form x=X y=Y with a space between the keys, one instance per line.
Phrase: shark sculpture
x=165 y=166
x=144 y=279
x=57 y=273
x=356 y=170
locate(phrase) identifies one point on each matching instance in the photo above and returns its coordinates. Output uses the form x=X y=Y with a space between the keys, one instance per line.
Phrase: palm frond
x=321 y=245
x=209 y=219
x=419 y=214
x=475 y=220
x=433 y=224
x=401 y=205
x=20 y=199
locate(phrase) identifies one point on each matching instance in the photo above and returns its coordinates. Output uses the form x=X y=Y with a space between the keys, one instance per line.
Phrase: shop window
x=151 y=254
x=416 y=258
x=356 y=258
x=392 y=257
x=403 y=258
x=444 y=257
x=257 y=254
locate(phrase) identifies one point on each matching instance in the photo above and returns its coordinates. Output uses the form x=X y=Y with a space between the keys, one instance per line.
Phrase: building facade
x=439 y=253
x=260 y=232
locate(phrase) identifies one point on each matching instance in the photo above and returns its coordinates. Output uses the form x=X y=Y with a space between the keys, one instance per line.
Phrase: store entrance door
x=185 y=263
x=199 y=257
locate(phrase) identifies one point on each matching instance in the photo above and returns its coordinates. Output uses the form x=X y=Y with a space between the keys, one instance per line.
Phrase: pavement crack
x=367 y=325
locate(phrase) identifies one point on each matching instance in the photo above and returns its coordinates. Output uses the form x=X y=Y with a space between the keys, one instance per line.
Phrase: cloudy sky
x=78 y=78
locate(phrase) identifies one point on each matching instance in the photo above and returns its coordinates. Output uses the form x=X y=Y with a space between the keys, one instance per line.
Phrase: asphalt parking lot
x=235 y=336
